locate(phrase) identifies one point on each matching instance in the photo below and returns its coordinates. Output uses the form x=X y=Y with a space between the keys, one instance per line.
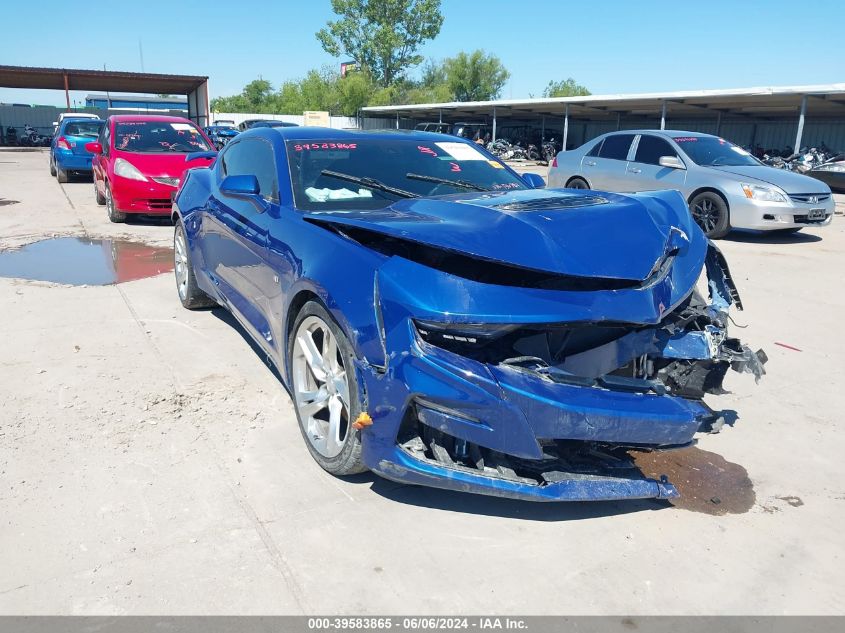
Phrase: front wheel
x=710 y=212
x=321 y=367
x=577 y=183
x=114 y=215
x=190 y=294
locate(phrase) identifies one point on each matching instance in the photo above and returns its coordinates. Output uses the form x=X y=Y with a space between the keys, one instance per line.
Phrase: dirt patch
x=707 y=482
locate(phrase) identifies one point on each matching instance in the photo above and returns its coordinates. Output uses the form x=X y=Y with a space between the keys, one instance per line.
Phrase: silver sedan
x=725 y=186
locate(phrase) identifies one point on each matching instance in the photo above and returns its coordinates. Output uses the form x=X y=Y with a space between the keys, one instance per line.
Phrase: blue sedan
x=443 y=321
x=67 y=150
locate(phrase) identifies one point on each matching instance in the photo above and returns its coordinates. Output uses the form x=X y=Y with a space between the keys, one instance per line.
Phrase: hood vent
x=558 y=203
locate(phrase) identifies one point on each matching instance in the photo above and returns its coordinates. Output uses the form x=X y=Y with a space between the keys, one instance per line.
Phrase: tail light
x=62 y=143
x=554 y=162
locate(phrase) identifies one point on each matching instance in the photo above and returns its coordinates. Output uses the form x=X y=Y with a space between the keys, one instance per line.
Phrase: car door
x=235 y=236
x=644 y=172
x=604 y=166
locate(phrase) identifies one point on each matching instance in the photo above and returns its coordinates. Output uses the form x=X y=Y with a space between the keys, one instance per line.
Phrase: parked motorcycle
x=549 y=150
x=31 y=137
x=11 y=136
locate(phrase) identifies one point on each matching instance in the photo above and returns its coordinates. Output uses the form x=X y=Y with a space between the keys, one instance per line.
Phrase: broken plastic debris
x=362 y=420
x=794 y=349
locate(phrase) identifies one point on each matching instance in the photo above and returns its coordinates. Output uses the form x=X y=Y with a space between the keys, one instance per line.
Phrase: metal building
x=769 y=117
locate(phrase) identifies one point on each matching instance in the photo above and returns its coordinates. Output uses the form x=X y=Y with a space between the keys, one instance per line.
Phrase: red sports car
x=140 y=159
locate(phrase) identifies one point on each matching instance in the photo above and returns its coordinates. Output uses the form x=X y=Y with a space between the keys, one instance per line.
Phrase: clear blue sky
x=608 y=45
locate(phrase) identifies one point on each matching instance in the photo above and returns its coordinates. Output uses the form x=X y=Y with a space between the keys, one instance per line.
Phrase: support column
x=67 y=93
x=719 y=123
x=494 y=124
x=565 y=126
x=800 y=132
x=397 y=120
x=618 y=121
x=542 y=129
x=440 y=115
x=663 y=117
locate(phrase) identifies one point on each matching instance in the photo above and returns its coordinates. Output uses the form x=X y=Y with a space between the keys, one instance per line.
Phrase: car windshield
x=158 y=136
x=711 y=151
x=413 y=167
x=86 y=129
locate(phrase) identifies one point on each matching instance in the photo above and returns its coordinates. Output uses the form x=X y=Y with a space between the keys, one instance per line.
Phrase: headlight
x=127 y=170
x=764 y=194
x=830 y=167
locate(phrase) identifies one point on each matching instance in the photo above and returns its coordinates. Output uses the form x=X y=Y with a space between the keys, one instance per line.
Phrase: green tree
x=382 y=36
x=565 y=88
x=475 y=76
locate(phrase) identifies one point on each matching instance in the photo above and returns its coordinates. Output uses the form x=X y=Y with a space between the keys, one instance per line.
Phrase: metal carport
x=67 y=79
x=640 y=110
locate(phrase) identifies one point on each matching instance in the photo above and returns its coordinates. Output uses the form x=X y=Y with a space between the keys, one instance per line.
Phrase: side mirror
x=198 y=155
x=241 y=185
x=535 y=181
x=94 y=147
x=672 y=162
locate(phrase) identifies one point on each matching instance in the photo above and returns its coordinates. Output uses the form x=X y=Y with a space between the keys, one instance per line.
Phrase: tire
x=61 y=174
x=189 y=292
x=711 y=213
x=52 y=167
x=97 y=195
x=341 y=455
x=114 y=215
x=577 y=183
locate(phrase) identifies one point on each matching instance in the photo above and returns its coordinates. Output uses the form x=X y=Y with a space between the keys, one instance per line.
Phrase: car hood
x=153 y=164
x=789 y=181
x=592 y=234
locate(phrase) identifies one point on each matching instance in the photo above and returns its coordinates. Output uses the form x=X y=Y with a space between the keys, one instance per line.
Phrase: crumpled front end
x=508 y=397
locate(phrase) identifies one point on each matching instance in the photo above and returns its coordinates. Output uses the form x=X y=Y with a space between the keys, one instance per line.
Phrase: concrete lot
x=150 y=463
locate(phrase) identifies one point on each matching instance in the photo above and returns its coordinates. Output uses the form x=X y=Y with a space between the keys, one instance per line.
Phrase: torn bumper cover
x=536 y=394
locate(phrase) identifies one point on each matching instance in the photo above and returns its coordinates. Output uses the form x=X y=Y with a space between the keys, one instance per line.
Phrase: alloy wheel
x=706 y=214
x=180 y=257
x=321 y=387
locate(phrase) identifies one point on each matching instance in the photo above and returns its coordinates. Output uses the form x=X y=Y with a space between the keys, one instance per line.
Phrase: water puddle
x=707 y=482
x=80 y=261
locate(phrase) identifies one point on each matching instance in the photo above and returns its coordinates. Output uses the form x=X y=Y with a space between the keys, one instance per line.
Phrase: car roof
x=160 y=118
x=666 y=133
x=321 y=133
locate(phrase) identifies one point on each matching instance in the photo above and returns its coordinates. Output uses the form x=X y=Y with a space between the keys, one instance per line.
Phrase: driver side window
x=253 y=156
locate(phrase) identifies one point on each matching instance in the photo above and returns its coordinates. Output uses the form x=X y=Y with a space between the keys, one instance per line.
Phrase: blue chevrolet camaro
x=441 y=320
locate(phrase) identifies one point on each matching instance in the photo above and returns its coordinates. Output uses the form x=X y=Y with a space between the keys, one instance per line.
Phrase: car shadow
x=138 y=219
x=771 y=237
x=485 y=505
x=224 y=315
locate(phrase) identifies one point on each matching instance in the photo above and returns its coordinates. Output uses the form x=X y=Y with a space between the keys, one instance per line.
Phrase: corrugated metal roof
x=774 y=100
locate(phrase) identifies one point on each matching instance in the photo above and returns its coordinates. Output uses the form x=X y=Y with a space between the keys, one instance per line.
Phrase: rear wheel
x=52 y=167
x=190 y=294
x=710 y=212
x=577 y=183
x=114 y=215
x=325 y=390
x=61 y=174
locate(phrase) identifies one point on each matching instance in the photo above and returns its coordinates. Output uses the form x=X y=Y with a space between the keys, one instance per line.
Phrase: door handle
x=590 y=163
x=634 y=170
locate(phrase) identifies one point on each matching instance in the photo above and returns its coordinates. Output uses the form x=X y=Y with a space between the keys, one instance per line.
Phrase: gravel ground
x=150 y=463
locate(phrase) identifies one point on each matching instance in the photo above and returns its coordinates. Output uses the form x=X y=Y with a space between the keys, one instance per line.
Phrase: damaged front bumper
x=539 y=395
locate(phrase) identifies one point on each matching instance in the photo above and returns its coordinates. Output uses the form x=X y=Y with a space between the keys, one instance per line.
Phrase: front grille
x=164 y=180
x=809 y=198
x=551 y=204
